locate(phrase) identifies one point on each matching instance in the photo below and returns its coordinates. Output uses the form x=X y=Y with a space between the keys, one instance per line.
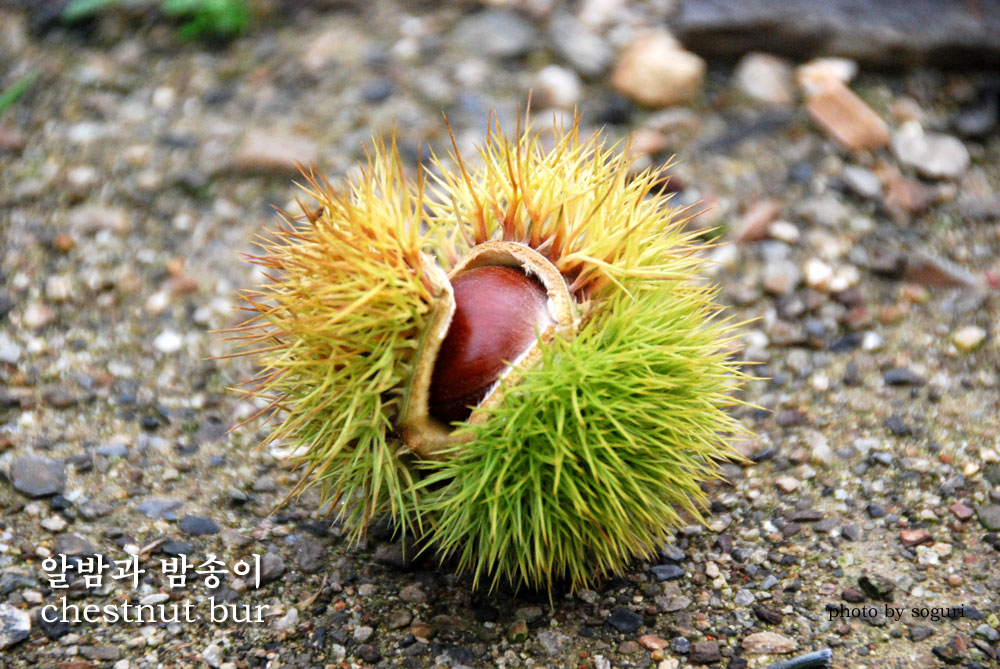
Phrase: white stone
x=818 y=274
x=288 y=621
x=787 y=484
x=872 y=341
x=934 y=155
x=765 y=78
x=10 y=350
x=15 y=625
x=821 y=73
x=212 y=655
x=83 y=177
x=557 y=87
x=784 y=231
x=58 y=288
x=968 y=338
x=168 y=341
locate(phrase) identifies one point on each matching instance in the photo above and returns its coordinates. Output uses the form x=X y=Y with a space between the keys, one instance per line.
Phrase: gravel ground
x=136 y=167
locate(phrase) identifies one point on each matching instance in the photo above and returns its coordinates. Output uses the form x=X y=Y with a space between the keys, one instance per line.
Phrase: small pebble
x=968 y=338
x=934 y=155
x=655 y=71
x=769 y=642
x=168 y=341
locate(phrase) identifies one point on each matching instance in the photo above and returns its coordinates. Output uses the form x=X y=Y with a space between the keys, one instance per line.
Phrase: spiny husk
x=337 y=330
x=593 y=457
x=577 y=205
x=594 y=450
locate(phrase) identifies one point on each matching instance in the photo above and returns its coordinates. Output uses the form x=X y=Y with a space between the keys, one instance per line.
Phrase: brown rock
x=653 y=642
x=756 y=221
x=705 y=652
x=93 y=217
x=647 y=142
x=928 y=270
x=11 y=142
x=961 y=511
x=769 y=642
x=847 y=118
x=268 y=150
x=914 y=537
x=904 y=197
x=655 y=71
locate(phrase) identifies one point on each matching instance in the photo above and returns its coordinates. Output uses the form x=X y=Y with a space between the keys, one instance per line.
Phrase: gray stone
x=113 y=450
x=309 y=554
x=553 y=642
x=413 y=593
x=862 y=182
x=781 y=277
x=37 y=476
x=586 y=52
x=160 y=508
x=625 y=621
x=528 y=614
x=102 y=653
x=271 y=568
x=497 y=33
x=75 y=545
x=264 y=483
x=890 y=32
x=667 y=572
x=15 y=625
x=989 y=517
x=197 y=525
x=398 y=554
x=363 y=633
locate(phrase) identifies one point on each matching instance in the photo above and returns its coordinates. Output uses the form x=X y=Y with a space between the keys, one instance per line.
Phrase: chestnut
x=499 y=312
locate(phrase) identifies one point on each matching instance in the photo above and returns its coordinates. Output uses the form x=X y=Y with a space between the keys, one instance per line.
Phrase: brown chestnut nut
x=498 y=311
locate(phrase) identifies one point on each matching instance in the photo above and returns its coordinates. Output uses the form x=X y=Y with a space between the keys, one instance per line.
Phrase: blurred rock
x=496 y=33
x=862 y=182
x=816 y=75
x=11 y=141
x=932 y=154
x=781 y=277
x=928 y=270
x=655 y=71
x=765 y=78
x=93 y=217
x=270 y=150
x=847 y=118
x=555 y=86
x=890 y=32
x=755 y=222
x=586 y=52
x=968 y=338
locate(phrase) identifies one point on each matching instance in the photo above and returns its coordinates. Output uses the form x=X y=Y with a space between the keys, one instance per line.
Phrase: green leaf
x=12 y=94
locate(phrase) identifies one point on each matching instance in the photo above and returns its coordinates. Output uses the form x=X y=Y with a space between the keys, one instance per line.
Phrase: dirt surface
x=137 y=166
